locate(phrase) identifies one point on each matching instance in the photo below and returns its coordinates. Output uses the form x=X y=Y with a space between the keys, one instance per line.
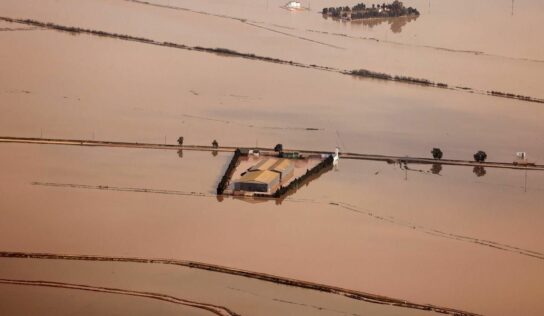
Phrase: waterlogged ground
x=446 y=237
x=241 y=295
x=85 y=87
x=379 y=234
x=479 y=45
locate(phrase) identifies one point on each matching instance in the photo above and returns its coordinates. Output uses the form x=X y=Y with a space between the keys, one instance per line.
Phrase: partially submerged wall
x=223 y=184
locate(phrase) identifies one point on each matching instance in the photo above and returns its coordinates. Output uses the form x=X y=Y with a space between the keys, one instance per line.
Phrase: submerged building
x=257 y=181
x=293 y=5
x=265 y=176
x=284 y=167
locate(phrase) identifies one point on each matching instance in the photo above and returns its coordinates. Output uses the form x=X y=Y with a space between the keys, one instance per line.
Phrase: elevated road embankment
x=354 y=156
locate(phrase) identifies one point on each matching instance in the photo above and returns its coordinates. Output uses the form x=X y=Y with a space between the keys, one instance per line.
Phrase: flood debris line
x=219 y=51
x=214 y=309
x=232 y=53
x=249 y=125
x=14 y=29
x=428 y=83
x=295 y=36
x=350 y=207
x=244 y=20
x=352 y=294
x=120 y=189
x=383 y=76
x=354 y=156
x=442 y=234
x=222 y=16
x=438 y=48
x=224 y=183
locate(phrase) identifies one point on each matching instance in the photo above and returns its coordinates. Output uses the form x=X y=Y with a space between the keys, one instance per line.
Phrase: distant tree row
x=361 y=11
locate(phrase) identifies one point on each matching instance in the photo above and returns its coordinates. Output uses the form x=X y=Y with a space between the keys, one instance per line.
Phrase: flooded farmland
x=404 y=237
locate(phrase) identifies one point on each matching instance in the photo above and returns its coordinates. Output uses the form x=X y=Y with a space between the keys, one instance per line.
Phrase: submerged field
x=442 y=235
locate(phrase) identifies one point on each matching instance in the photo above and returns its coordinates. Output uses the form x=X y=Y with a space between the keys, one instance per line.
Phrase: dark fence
x=293 y=185
x=228 y=173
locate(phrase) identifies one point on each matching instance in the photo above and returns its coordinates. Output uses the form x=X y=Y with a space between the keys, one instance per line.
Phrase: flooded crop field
x=365 y=238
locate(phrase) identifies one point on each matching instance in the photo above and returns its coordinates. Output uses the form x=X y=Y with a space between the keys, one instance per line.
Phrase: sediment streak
x=231 y=53
x=352 y=294
x=215 y=309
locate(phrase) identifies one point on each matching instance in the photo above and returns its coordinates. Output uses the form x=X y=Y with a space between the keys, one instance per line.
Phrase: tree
x=480 y=156
x=278 y=148
x=215 y=144
x=180 y=140
x=437 y=153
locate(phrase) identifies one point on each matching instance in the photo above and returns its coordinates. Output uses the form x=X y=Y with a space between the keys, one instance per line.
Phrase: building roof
x=282 y=165
x=264 y=165
x=261 y=176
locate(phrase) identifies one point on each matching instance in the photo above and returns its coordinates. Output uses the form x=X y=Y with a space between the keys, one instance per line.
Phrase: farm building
x=265 y=175
x=258 y=181
x=263 y=165
x=284 y=167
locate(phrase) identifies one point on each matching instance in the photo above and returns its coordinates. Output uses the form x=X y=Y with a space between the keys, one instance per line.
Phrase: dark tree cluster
x=480 y=156
x=361 y=11
x=437 y=153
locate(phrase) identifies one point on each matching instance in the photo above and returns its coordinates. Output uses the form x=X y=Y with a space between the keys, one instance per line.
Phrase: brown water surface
x=388 y=220
x=452 y=236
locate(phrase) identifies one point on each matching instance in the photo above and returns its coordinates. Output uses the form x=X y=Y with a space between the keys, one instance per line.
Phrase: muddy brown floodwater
x=451 y=236
x=447 y=239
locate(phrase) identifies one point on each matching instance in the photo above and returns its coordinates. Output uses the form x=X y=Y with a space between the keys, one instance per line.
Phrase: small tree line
x=361 y=11
x=479 y=156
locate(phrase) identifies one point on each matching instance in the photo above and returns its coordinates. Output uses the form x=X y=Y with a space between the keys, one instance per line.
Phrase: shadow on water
x=279 y=201
x=396 y=24
x=436 y=168
x=479 y=171
x=304 y=184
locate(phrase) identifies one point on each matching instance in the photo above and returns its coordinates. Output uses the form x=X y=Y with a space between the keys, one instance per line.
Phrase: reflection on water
x=479 y=171
x=396 y=23
x=305 y=183
x=436 y=168
x=214 y=153
x=180 y=153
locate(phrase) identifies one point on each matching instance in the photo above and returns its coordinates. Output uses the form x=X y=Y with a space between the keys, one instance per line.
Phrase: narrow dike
x=353 y=294
x=214 y=309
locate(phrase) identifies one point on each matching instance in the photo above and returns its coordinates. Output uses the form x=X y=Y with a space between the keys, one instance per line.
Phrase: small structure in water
x=265 y=176
x=522 y=159
x=293 y=5
x=258 y=181
x=336 y=156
